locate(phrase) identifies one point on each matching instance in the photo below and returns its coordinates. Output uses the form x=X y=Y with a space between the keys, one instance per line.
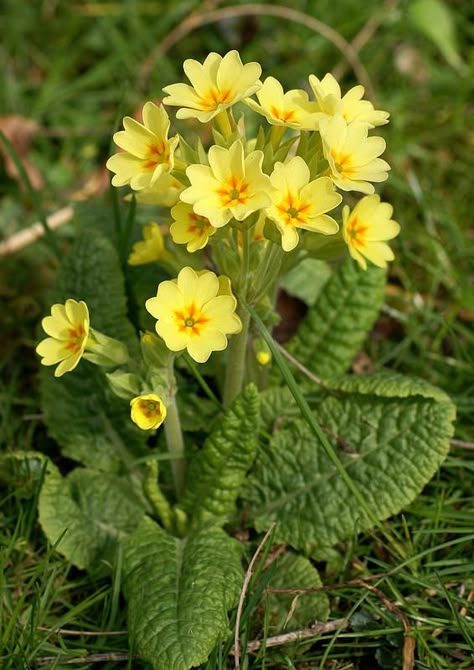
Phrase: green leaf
x=306 y=280
x=88 y=421
x=434 y=19
x=215 y=475
x=333 y=331
x=288 y=612
x=88 y=511
x=391 y=434
x=276 y=402
x=179 y=592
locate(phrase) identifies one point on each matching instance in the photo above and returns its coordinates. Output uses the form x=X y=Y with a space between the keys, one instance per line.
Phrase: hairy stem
x=236 y=356
x=174 y=435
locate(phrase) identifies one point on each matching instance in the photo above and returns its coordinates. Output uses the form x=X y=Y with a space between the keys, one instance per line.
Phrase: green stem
x=174 y=435
x=269 y=270
x=126 y=233
x=236 y=357
x=245 y=267
x=152 y=490
x=276 y=134
x=224 y=123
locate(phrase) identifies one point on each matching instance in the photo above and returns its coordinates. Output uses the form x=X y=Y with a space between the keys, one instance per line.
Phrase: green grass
x=76 y=69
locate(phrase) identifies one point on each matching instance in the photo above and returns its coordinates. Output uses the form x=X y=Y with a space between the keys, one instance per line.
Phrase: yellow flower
x=147 y=151
x=299 y=203
x=217 y=84
x=352 y=156
x=68 y=327
x=190 y=228
x=291 y=109
x=194 y=313
x=151 y=248
x=147 y=411
x=263 y=357
x=351 y=106
x=232 y=186
x=366 y=228
x=164 y=192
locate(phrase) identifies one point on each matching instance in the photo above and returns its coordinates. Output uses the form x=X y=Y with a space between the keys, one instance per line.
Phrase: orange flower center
x=149 y=408
x=356 y=231
x=190 y=320
x=198 y=225
x=343 y=163
x=214 y=97
x=292 y=210
x=283 y=115
x=233 y=192
x=75 y=339
x=158 y=153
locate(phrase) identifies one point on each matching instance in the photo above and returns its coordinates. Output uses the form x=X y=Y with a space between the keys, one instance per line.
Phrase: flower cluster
x=242 y=207
x=235 y=178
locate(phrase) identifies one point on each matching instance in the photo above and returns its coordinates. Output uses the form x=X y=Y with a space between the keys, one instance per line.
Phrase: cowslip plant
x=191 y=415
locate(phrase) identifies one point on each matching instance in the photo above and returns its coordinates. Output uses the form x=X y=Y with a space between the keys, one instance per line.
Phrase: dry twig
x=35 y=231
x=286 y=638
x=197 y=20
x=247 y=578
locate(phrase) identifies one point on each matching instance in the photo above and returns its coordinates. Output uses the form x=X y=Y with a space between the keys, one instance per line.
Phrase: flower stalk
x=236 y=359
x=174 y=434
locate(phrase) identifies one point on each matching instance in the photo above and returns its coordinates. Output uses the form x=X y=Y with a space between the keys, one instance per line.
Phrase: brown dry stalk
x=92 y=658
x=366 y=33
x=286 y=638
x=409 y=642
x=197 y=20
x=248 y=576
x=461 y=443
x=88 y=633
x=24 y=237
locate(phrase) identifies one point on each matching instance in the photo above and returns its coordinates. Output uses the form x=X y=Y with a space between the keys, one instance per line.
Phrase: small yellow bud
x=147 y=411
x=263 y=357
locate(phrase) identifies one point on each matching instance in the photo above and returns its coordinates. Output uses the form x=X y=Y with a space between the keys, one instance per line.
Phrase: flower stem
x=276 y=134
x=174 y=435
x=224 y=124
x=236 y=357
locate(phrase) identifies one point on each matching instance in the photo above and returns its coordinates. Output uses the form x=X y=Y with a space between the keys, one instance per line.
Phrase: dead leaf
x=20 y=131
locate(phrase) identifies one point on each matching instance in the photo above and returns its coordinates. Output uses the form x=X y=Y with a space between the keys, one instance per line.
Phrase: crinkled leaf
x=179 y=592
x=334 y=329
x=88 y=421
x=285 y=613
x=276 y=402
x=216 y=473
x=88 y=511
x=391 y=433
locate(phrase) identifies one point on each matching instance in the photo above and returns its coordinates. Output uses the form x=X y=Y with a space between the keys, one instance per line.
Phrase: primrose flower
x=299 y=203
x=291 y=109
x=68 y=327
x=148 y=153
x=194 y=312
x=366 y=228
x=232 y=185
x=351 y=106
x=164 y=192
x=147 y=411
x=217 y=84
x=190 y=228
x=352 y=156
x=151 y=248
